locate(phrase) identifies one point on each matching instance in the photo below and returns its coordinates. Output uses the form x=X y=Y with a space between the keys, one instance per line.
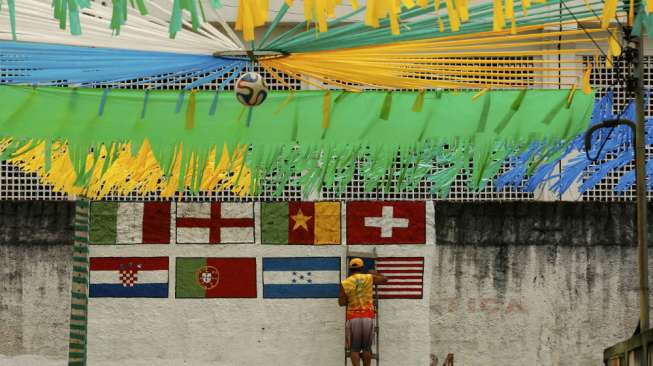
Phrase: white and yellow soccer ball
x=251 y=89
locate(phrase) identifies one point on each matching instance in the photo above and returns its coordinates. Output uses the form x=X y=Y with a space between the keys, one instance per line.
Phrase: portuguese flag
x=300 y=223
x=215 y=277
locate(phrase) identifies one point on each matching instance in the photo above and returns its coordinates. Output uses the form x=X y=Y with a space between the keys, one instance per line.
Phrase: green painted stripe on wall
x=79 y=296
x=81 y=337
x=79 y=290
x=78 y=327
x=78 y=306
x=80 y=280
x=104 y=216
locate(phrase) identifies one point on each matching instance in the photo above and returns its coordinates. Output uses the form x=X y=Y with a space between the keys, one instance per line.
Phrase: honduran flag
x=303 y=277
x=128 y=277
x=130 y=223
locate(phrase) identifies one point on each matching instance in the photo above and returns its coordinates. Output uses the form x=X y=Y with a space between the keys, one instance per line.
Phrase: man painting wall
x=356 y=292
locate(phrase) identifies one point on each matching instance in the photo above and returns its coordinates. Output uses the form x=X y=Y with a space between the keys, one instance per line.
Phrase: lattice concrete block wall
x=17 y=185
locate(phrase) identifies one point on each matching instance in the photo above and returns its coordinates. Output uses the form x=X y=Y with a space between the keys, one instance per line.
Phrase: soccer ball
x=251 y=89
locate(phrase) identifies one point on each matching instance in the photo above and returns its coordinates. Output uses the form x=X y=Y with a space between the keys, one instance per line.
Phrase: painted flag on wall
x=303 y=277
x=215 y=223
x=379 y=222
x=128 y=277
x=215 y=277
x=300 y=222
x=130 y=223
x=405 y=276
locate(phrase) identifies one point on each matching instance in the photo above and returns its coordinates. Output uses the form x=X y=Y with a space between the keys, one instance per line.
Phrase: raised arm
x=379 y=279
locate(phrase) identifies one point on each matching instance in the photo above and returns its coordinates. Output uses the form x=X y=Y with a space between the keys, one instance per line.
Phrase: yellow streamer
x=454 y=21
x=140 y=173
x=190 y=111
x=479 y=94
x=499 y=20
x=609 y=13
x=587 y=88
x=254 y=13
x=326 y=110
x=614 y=49
x=510 y=9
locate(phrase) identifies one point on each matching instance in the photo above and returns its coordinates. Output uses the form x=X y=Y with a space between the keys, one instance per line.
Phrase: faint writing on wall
x=487 y=305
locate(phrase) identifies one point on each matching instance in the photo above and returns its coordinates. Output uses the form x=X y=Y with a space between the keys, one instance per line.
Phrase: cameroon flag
x=215 y=277
x=300 y=223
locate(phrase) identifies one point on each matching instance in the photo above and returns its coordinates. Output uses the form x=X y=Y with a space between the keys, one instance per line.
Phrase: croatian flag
x=303 y=277
x=129 y=277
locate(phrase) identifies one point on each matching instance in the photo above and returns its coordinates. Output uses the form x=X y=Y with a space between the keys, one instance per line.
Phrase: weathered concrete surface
x=537 y=223
x=35 y=257
x=38 y=223
x=532 y=284
x=507 y=284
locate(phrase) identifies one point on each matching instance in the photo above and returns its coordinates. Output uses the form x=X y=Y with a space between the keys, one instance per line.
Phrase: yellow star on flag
x=301 y=220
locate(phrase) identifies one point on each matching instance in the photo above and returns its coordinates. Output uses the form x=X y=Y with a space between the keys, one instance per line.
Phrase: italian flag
x=130 y=223
x=215 y=277
x=300 y=223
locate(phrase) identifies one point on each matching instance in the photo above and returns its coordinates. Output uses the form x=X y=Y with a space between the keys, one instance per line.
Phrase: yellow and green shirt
x=359 y=290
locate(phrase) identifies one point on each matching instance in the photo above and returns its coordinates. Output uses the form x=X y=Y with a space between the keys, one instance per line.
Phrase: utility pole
x=635 y=84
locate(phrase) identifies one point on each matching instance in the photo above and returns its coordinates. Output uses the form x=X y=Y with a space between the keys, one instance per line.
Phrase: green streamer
x=289 y=145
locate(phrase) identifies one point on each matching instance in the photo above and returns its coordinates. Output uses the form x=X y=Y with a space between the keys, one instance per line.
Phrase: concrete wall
x=510 y=284
x=35 y=257
x=249 y=332
x=533 y=284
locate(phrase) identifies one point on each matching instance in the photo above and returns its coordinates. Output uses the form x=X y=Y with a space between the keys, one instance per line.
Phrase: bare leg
x=355 y=359
x=367 y=358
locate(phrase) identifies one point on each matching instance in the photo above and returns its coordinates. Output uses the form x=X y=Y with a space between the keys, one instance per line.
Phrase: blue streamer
x=214 y=104
x=180 y=101
x=49 y=64
x=145 y=100
x=249 y=116
x=103 y=101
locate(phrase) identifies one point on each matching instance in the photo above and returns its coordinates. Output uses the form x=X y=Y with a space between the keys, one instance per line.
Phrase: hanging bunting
x=123 y=150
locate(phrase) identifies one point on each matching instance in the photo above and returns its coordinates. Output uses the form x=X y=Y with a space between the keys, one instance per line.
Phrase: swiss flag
x=378 y=222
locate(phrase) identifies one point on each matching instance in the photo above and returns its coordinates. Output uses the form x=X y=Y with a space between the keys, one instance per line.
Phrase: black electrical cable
x=618 y=77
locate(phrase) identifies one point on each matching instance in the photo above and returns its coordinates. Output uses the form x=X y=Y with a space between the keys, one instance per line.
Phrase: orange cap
x=356 y=263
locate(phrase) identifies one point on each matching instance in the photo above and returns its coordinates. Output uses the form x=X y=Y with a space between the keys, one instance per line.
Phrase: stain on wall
x=35 y=270
x=508 y=284
x=533 y=283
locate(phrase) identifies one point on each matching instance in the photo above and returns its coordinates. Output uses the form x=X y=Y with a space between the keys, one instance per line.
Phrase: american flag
x=405 y=277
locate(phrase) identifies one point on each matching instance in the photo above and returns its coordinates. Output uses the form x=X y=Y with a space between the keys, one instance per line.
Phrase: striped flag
x=405 y=277
x=300 y=222
x=129 y=277
x=215 y=223
x=130 y=223
x=303 y=277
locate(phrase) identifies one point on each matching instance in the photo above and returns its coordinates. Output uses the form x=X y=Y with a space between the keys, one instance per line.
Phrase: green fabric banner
x=286 y=134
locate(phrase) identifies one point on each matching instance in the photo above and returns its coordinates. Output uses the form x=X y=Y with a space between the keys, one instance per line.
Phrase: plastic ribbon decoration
x=58 y=133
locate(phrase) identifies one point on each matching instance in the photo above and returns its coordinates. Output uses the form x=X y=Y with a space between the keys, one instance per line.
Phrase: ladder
x=375 y=343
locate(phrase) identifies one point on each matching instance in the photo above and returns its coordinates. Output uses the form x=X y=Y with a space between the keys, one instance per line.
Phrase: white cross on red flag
x=378 y=222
